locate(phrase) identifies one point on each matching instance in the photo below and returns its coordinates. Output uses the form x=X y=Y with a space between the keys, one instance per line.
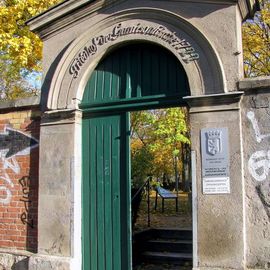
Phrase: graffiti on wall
x=259 y=136
x=25 y=218
x=12 y=143
x=259 y=164
x=259 y=161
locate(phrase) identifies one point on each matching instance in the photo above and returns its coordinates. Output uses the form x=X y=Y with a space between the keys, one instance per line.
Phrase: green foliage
x=141 y=156
x=142 y=163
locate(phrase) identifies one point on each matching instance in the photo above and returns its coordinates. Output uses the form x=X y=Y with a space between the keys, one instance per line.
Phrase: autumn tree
x=256 y=43
x=141 y=156
x=158 y=141
x=20 y=49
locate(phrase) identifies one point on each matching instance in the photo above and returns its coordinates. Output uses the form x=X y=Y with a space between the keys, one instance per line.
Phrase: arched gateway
x=136 y=76
x=103 y=59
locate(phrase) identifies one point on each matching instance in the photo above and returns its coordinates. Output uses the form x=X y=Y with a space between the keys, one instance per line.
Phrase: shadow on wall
x=48 y=78
x=31 y=186
x=21 y=265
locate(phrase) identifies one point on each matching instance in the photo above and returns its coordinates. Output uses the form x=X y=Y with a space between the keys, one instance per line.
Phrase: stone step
x=169 y=245
x=165 y=246
x=179 y=234
x=174 y=258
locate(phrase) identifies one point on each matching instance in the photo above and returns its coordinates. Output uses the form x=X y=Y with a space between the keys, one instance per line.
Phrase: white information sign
x=215 y=161
x=219 y=185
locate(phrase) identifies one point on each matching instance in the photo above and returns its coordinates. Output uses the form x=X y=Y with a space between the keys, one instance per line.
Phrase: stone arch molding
x=188 y=44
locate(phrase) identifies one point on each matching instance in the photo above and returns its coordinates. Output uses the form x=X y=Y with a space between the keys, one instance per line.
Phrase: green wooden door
x=106 y=197
x=133 y=77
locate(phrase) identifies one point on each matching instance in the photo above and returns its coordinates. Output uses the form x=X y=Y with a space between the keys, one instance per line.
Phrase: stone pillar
x=221 y=220
x=55 y=216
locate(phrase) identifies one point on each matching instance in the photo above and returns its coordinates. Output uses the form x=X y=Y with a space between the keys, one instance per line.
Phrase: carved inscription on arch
x=181 y=46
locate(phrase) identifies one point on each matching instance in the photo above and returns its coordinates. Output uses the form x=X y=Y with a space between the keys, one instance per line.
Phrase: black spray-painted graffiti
x=25 y=218
x=263 y=192
x=12 y=143
x=182 y=46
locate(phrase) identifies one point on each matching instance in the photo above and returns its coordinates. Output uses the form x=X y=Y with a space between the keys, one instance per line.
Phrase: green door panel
x=136 y=71
x=106 y=195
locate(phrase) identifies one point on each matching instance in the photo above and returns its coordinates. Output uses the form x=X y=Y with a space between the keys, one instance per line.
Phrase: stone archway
x=190 y=46
x=77 y=35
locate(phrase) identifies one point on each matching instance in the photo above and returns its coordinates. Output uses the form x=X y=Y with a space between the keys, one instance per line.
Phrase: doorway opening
x=132 y=78
x=161 y=189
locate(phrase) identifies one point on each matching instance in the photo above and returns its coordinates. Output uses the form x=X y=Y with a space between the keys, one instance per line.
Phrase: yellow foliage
x=157 y=139
x=256 y=43
x=22 y=48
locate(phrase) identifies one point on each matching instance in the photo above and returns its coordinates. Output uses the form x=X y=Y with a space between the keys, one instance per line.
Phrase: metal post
x=176 y=180
x=148 y=202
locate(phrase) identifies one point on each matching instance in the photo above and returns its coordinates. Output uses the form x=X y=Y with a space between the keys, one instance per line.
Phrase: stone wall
x=19 y=163
x=19 y=169
x=256 y=150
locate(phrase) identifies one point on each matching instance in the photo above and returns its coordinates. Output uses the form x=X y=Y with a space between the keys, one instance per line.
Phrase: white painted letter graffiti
x=259 y=162
x=14 y=166
x=12 y=143
x=259 y=165
x=254 y=122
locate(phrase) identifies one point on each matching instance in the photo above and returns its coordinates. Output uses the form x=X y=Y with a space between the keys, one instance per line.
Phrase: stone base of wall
x=28 y=261
x=41 y=262
x=14 y=260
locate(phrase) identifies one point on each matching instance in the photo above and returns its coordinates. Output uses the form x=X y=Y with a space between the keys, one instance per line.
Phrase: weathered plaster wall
x=19 y=159
x=220 y=217
x=256 y=146
x=56 y=185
